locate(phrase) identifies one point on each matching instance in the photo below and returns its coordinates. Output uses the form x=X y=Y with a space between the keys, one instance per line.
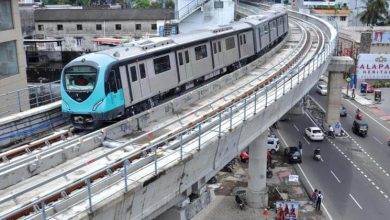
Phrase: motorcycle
x=359 y=116
x=240 y=202
x=269 y=173
x=331 y=134
x=317 y=154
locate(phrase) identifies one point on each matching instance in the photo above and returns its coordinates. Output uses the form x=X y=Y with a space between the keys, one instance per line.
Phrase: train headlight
x=66 y=105
x=97 y=105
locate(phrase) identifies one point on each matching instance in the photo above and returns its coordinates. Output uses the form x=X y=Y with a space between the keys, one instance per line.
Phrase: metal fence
x=28 y=98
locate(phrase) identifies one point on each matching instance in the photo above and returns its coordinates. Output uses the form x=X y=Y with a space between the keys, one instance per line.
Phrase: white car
x=314 y=133
x=322 y=89
x=273 y=144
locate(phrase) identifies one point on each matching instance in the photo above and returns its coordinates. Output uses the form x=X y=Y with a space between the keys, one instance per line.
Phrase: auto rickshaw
x=360 y=127
x=317 y=154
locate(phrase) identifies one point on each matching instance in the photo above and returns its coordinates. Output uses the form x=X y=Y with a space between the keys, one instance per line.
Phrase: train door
x=187 y=64
x=218 y=56
x=113 y=86
x=125 y=86
x=134 y=82
x=185 y=70
x=143 y=79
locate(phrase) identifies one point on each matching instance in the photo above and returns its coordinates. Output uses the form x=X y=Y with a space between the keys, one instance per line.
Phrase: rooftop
x=332 y=11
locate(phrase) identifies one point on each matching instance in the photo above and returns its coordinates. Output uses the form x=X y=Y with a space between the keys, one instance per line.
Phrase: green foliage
x=142 y=4
x=170 y=4
x=387 y=84
x=374 y=12
x=377 y=84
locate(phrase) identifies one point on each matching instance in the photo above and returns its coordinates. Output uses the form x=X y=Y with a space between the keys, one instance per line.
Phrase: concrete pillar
x=338 y=65
x=256 y=194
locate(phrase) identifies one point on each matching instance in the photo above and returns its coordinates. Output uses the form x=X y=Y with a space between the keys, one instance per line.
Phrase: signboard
x=373 y=66
x=287 y=210
x=319 y=2
x=380 y=37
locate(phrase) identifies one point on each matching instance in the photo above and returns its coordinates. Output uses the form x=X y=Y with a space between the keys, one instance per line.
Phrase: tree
x=375 y=12
x=142 y=4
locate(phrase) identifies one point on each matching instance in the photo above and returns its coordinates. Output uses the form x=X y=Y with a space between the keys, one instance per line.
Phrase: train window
x=215 y=47
x=161 y=64
x=240 y=39
x=133 y=72
x=265 y=29
x=200 y=52
x=230 y=44
x=142 y=71
x=180 y=59
x=80 y=78
x=244 y=36
x=111 y=81
x=187 y=56
x=219 y=46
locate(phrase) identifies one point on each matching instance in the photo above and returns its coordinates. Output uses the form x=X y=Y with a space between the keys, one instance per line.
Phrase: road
x=354 y=173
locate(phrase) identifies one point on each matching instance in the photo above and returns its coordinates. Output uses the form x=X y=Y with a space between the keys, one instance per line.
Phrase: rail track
x=144 y=147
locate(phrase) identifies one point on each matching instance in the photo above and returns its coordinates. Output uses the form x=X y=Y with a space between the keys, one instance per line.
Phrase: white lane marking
x=306 y=140
x=338 y=180
x=296 y=127
x=307 y=179
x=355 y=201
x=377 y=140
x=369 y=116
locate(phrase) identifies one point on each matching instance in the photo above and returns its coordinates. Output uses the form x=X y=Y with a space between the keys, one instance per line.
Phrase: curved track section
x=87 y=182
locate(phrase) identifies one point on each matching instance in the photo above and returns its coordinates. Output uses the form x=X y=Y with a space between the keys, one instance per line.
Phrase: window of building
x=60 y=27
x=230 y=44
x=118 y=27
x=200 y=52
x=98 y=27
x=40 y=27
x=161 y=64
x=343 y=18
x=6 y=21
x=8 y=59
x=79 y=27
x=154 y=27
x=137 y=27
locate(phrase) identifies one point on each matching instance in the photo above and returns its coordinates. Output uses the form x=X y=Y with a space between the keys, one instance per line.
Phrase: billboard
x=287 y=210
x=380 y=37
x=373 y=66
x=319 y=2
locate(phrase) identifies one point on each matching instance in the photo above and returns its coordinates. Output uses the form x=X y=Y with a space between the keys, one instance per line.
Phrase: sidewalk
x=223 y=206
x=381 y=110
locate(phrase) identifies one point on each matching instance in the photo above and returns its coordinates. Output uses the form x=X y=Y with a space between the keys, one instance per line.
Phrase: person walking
x=300 y=147
x=320 y=197
x=314 y=197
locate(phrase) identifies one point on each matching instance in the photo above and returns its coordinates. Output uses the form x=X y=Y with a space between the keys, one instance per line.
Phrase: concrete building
x=78 y=27
x=340 y=16
x=12 y=57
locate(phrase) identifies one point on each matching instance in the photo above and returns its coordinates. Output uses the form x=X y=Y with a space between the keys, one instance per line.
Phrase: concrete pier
x=336 y=68
x=257 y=196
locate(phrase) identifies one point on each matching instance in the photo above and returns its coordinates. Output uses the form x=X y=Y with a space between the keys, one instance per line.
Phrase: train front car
x=91 y=92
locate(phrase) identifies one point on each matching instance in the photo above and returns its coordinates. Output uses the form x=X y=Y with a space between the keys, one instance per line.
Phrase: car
x=273 y=144
x=314 y=133
x=322 y=89
x=360 y=127
x=293 y=154
x=343 y=112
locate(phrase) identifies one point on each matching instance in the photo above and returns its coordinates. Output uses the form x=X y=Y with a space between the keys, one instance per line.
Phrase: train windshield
x=80 y=78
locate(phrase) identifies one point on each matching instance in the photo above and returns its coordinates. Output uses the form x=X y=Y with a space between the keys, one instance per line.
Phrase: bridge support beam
x=336 y=68
x=257 y=196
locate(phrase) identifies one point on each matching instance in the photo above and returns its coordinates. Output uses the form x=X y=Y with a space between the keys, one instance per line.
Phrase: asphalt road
x=354 y=173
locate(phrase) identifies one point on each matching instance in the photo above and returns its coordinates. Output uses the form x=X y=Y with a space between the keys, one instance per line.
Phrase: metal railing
x=192 y=138
x=186 y=10
x=28 y=98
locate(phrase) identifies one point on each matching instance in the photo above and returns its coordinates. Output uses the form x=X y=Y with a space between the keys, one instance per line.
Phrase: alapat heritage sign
x=373 y=66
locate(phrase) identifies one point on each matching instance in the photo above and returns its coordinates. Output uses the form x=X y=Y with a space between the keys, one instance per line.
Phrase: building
x=341 y=16
x=79 y=27
x=12 y=58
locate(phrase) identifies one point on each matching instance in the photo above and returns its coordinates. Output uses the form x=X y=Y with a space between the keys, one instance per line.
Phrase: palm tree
x=375 y=12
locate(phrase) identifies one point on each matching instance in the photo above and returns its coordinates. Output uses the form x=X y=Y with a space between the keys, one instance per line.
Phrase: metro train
x=128 y=79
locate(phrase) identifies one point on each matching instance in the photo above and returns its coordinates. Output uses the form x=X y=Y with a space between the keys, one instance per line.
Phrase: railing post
x=19 y=103
x=125 y=164
x=291 y=81
x=231 y=118
x=181 y=146
x=284 y=85
x=88 y=182
x=36 y=96
x=255 y=108
x=298 y=77
x=51 y=93
x=220 y=124
x=266 y=97
x=155 y=160
x=43 y=210
x=245 y=109
x=199 y=135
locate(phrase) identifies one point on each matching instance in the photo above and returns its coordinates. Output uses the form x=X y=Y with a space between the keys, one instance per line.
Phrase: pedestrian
x=300 y=147
x=320 y=197
x=314 y=196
